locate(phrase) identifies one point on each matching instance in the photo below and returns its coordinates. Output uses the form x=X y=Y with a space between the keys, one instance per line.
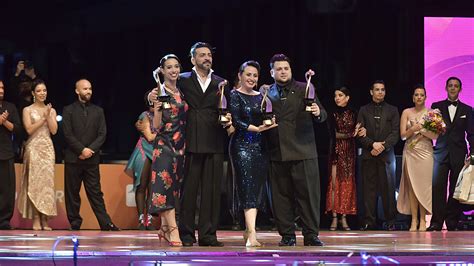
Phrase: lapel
x=274 y=96
x=214 y=84
x=458 y=112
x=445 y=113
x=195 y=81
x=383 y=117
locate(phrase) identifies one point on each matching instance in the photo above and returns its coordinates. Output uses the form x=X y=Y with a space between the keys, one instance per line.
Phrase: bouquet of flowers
x=433 y=122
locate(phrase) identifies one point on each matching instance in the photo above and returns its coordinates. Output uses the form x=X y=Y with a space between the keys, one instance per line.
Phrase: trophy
x=309 y=93
x=163 y=97
x=266 y=108
x=222 y=106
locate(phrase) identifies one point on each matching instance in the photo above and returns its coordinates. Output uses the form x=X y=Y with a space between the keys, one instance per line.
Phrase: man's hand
x=378 y=146
x=315 y=109
x=228 y=124
x=86 y=153
x=20 y=66
x=375 y=152
x=4 y=117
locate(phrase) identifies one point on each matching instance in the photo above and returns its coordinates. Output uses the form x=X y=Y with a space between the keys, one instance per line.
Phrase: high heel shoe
x=249 y=243
x=333 y=226
x=44 y=223
x=344 y=225
x=162 y=234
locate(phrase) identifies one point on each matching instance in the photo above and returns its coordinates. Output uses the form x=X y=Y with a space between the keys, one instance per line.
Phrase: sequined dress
x=247 y=153
x=167 y=167
x=37 y=187
x=341 y=192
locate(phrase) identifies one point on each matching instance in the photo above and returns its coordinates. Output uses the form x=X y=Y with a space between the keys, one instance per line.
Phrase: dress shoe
x=452 y=228
x=5 y=227
x=367 y=227
x=433 y=227
x=391 y=227
x=287 y=241
x=187 y=244
x=211 y=243
x=110 y=227
x=313 y=241
x=75 y=228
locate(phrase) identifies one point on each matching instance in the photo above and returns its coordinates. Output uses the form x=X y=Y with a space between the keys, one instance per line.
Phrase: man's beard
x=84 y=98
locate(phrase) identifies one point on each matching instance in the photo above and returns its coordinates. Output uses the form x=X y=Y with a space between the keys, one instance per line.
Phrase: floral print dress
x=168 y=157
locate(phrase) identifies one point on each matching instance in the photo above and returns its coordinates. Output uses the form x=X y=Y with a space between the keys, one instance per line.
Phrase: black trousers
x=203 y=171
x=295 y=186
x=378 y=177
x=74 y=176
x=7 y=191
x=449 y=210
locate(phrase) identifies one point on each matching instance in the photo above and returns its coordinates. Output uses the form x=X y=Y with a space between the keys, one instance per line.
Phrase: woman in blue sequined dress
x=248 y=157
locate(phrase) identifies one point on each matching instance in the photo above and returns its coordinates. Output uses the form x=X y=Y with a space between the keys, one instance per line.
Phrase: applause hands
x=4 y=117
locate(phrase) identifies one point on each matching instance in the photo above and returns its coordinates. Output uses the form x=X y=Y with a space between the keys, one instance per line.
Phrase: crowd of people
x=179 y=156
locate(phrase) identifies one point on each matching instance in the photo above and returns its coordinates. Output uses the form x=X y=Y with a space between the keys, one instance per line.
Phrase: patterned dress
x=248 y=157
x=143 y=151
x=37 y=187
x=341 y=193
x=168 y=157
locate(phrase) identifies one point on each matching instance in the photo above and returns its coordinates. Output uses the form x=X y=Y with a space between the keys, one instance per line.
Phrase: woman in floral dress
x=168 y=152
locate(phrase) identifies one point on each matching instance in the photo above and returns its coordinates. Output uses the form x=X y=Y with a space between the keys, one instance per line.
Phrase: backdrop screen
x=449 y=51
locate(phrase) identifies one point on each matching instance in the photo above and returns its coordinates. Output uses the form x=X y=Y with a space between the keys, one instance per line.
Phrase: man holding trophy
x=294 y=171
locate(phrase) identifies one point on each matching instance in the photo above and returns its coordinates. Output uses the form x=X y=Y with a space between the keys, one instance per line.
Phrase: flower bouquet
x=433 y=122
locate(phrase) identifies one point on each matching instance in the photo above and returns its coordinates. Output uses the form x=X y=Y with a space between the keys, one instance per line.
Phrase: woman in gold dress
x=37 y=196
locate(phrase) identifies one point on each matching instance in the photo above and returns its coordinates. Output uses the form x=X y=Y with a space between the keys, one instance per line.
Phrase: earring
x=34 y=98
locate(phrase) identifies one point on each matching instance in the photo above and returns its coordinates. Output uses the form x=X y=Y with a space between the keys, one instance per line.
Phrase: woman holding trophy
x=249 y=159
x=168 y=148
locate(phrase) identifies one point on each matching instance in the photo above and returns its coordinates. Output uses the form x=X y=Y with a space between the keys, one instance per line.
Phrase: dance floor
x=133 y=247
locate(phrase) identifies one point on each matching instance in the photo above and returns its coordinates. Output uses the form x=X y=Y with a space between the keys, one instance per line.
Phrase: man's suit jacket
x=203 y=132
x=293 y=139
x=83 y=129
x=389 y=129
x=6 y=143
x=453 y=142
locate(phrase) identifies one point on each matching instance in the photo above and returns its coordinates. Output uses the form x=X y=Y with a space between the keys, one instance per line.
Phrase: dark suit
x=83 y=127
x=382 y=122
x=449 y=154
x=294 y=171
x=205 y=142
x=7 y=160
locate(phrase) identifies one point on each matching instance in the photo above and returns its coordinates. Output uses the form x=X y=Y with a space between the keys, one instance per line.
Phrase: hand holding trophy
x=266 y=108
x=309 y=92
x=163 y=97
x=222 y=106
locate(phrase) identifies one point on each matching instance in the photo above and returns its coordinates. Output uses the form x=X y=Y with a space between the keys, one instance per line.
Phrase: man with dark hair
x=9 y=124
x=382 y=123
x=449 y=154
x=84 y=131
x=205 y=146
x=25 y=72
x=294 y=170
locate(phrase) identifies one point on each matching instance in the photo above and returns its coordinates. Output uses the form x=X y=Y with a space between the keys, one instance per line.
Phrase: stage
x=132 y=247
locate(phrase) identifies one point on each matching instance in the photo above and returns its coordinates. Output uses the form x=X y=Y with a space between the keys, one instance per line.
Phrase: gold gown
x=417 y=172
x=37 y=188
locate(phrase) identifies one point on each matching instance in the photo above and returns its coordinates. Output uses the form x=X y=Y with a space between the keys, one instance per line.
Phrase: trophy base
x=267 y=122
x=308 y=109
x=223 y=119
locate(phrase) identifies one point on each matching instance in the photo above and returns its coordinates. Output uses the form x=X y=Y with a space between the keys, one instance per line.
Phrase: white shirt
x=452 y=110
x=204 y=84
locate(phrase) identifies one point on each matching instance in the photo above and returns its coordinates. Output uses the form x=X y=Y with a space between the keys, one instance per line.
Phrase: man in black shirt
x=9 y=124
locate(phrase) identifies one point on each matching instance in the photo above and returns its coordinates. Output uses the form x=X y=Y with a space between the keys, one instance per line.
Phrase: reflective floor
x=143 y=248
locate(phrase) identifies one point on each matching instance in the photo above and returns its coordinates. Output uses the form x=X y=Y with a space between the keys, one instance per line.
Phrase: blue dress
x=143 y=151
x=247 y=153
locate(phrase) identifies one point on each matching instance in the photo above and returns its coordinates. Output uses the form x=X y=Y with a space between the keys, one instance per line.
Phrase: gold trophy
x=309 y=93
x=163 y=97
x=222 y=106
x=266 y=108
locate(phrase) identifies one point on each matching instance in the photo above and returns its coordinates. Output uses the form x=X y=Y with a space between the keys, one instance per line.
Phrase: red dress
x=341 y=193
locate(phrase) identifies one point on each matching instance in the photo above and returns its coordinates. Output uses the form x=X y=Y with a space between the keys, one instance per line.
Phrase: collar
x=382 y=103
x=208 y=75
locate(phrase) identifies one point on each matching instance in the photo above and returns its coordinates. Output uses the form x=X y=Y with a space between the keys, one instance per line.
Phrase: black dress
x=248 y=157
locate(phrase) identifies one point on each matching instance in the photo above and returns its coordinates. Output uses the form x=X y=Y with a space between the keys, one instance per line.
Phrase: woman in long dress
x=417 y=163
x=37 y=195
x=168 y=152
x=139 y=167
x=341 y=193
x=248 y=157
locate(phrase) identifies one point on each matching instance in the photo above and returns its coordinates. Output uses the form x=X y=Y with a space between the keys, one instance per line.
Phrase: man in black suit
x=294 y=170
x=382 y=123
x=85 y=131
x=9 y=124
x=449 y=154
x=205 y=146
